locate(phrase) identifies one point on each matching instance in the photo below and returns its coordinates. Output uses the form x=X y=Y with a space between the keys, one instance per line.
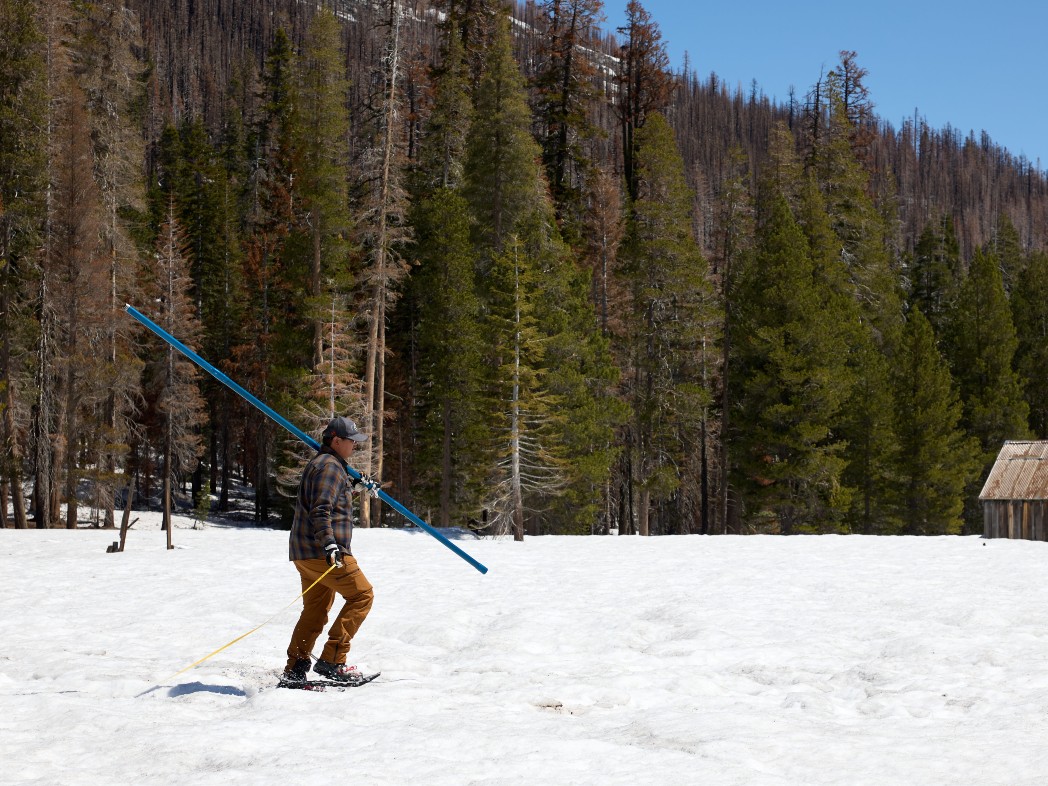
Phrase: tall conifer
x=112 y=76
x=936 y=459
x=674 y=330
x=322 y=185
x=385 y=231
x=278 y=349
x=1030 y=311
x=174 y=378
x=733 y=247
x=79 y=271
x=981 y=345
x=526 y=274
x=450 y=378
x=23 y=105
x=502 y=179
x=936 y=273
x=793 y=381
x=567 y=94
x=645 y=84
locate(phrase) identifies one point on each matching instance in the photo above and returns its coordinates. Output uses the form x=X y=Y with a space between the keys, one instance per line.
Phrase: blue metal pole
x=282 y=421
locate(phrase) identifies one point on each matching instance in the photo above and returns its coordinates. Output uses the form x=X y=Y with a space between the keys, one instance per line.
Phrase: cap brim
x=358 y=437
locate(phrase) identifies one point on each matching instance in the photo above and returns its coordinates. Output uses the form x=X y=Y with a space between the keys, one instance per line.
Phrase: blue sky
x=973 y=65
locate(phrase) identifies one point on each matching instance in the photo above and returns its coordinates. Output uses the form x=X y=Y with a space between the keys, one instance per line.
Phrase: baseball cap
x=344 y=428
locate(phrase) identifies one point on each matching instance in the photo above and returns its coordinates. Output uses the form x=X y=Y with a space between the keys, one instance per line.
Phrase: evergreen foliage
x=444 y=142
x=793 y=380
x=566 y=95
x=502 y=180
x=112 y=76
x=278 y=344
x=172 y=379
x=23 y=107
x=528 y=462
x=936 y=274
x=845 y=252
x=581 y=377
x=673 y=328
x=322 y=185
x=1030 y=313
x=450 y=455
x=981 y=343
x=937 y=460
x=644 y=82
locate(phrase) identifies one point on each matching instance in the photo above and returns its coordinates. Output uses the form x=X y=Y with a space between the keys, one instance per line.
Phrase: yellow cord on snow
x=244 y=636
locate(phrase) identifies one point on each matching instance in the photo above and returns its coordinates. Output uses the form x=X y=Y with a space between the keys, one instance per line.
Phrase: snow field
x=683 y=660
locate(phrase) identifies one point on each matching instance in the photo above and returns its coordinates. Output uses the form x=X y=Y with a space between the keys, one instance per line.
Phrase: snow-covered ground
x=687 y=660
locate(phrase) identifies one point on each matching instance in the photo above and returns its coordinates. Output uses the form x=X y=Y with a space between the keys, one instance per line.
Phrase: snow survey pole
x=282 y=421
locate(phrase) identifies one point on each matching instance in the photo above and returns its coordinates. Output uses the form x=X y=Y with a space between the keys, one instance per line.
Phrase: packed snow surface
x=614 y=660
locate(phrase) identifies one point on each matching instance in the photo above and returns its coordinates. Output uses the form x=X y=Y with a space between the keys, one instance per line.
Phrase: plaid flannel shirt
x=324 y=508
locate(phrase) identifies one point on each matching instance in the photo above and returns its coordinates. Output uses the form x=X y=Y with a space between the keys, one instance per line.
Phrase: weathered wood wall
x=1017 y=519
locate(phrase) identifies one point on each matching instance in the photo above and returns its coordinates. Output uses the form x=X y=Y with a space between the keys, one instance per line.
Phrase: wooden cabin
x=1015 y=495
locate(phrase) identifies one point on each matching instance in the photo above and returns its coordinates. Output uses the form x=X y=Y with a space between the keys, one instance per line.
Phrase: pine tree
x=674 y=328
x=322 y=186
x=333 y=386
x=792 y=380
x=230 y=307
x=473 y=23
x=450 y=454
x=501 y=174
x=848 y=237
x=733 y=248
x=194 y=174
x=582 y=378
x=23 y=103
x=529 y=465
x=79 y=272
x=279 y=346
x=450 y=450
x=867 y=424
x=526 y=276
x=443 y=146
x=113 y=80
x=385 y=233
x=936 y=274
x=514 y=225
x=855 y=219
x=644 y=81
x=937 y=460
x=1008 y=249
x=603 y=230
x=981 y=345
x=866 y=419
x=566 y=95
x=177 y=395
x=1030 y=313
x=56 y=22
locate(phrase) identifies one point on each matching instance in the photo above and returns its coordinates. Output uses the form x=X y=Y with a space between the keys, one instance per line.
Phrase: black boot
x=298 y=672
x=337 y=672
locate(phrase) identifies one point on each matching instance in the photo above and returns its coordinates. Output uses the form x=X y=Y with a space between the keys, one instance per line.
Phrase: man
x=320 y=537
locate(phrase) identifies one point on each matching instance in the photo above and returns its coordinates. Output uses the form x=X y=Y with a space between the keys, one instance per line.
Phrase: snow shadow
x=199 y=687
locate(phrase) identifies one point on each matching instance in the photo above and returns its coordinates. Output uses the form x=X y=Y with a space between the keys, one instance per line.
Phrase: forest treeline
x=566 y=289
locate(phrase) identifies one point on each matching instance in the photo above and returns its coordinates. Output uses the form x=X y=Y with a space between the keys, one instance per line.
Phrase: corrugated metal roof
x=1020 y=472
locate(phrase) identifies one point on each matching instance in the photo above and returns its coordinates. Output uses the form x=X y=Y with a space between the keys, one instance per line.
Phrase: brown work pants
x=349 y=582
